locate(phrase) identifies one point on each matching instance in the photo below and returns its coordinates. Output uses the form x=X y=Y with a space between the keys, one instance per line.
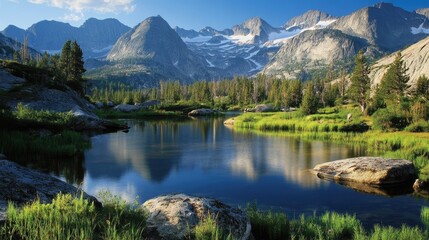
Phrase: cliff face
x=313 y=49
x=416 y=58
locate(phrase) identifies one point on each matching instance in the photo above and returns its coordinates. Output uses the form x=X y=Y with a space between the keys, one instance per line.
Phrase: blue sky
x=194 y=14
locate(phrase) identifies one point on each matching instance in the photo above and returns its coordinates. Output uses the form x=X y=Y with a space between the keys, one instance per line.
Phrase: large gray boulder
x=8 y=81
x=368 y=170
x=264 y=108
x=22 y=185
x=126 y=108
x=173 y=216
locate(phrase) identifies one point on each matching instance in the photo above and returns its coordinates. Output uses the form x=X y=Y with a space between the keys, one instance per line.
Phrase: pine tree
x=360 y=83
x=394 y=83
x=65 y=60
x=76 y=63
x=422 y=88
x=310 y=101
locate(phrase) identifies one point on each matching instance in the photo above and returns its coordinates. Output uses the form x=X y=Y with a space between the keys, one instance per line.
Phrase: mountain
x=8 y=46
x=313 y=50
x=384 y=25
x=310 y=19
x=255 y=31
x=416 y=58
x=96 y=37
x=423 y=11
x=156 y=46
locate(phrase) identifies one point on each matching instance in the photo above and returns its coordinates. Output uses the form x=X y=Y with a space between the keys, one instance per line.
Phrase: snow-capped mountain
x=246 y=48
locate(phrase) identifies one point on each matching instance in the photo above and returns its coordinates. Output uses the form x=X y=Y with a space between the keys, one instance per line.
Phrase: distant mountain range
x=153 y=51
x=96 y=37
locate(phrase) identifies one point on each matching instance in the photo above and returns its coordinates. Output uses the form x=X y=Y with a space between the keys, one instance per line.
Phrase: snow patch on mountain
x=419 y=30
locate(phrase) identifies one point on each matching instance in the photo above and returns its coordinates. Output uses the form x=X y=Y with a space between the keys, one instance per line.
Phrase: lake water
x=204 y=158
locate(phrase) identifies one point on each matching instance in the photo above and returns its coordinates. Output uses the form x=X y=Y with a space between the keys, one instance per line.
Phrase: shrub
x=419 y=126
x=386 y=120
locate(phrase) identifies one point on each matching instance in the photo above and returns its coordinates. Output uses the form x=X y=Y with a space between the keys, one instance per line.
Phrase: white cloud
x=72 y=17
x=103 y=6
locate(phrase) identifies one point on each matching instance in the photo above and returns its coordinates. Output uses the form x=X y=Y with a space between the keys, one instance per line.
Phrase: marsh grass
x=208 y=229
x=43 y=116
x=70 y=217
x=66 y=143
x=268 y=224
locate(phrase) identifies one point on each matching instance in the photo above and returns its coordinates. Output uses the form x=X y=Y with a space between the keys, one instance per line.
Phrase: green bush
x=419 y=126
x=386 y=120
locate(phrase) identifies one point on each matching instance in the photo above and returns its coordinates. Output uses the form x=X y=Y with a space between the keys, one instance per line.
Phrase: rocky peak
x=423 y=11
x=308 y=19
x=257 y=27
x=384 y=25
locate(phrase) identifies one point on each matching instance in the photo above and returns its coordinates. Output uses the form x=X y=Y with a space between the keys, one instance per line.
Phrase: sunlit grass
x=69 y=217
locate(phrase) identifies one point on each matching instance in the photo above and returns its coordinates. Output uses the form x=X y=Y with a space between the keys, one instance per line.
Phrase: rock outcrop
x=201 y=112
x=415 y=57
x=172 y=216
x=126 y=108
x=368 y=170
x=22 y=185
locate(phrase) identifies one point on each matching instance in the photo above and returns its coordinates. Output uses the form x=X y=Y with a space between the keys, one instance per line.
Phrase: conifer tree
x=422 y=88
x=65 y=61
x=360 y=83
x=76 y=63
x=394 y=83
x=310 y=100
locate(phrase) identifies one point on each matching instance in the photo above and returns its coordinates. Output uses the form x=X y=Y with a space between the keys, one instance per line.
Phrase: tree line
x=66 y=67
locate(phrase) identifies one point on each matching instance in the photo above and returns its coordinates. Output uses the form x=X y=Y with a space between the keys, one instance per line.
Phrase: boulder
x=99 y=105
x=201 y=112
x=126 y=108
x=264 y=108
x=150 y=103
x=349 y=117
x=421 y=185
x=8 y=81
x=175 y=216
x=229 y=122
x=2 y=156
x=110 y=104
x=22 y=185
x=368 y=170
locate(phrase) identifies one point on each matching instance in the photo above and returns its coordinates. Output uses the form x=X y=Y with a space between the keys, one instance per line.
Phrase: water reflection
x=153 y=149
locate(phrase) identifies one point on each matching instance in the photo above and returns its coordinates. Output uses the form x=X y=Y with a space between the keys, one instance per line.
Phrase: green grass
x=69 y=217
x=47 y=117
x=268 y=225
x=66 y=143
x=208 y=229
x=328 y=120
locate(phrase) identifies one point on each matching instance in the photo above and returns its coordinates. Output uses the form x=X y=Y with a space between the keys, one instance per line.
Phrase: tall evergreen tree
x=394 y=83
x=422 y=88
x=360 y=83
x=76 y=63
x=65 y=60
x=310 y=101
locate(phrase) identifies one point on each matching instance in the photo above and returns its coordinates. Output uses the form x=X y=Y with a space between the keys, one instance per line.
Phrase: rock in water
x=22 y=185
x=369 y=170
x=201 y=112
x=173 y=216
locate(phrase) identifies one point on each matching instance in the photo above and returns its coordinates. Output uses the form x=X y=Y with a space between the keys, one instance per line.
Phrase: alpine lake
x=203 y=157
